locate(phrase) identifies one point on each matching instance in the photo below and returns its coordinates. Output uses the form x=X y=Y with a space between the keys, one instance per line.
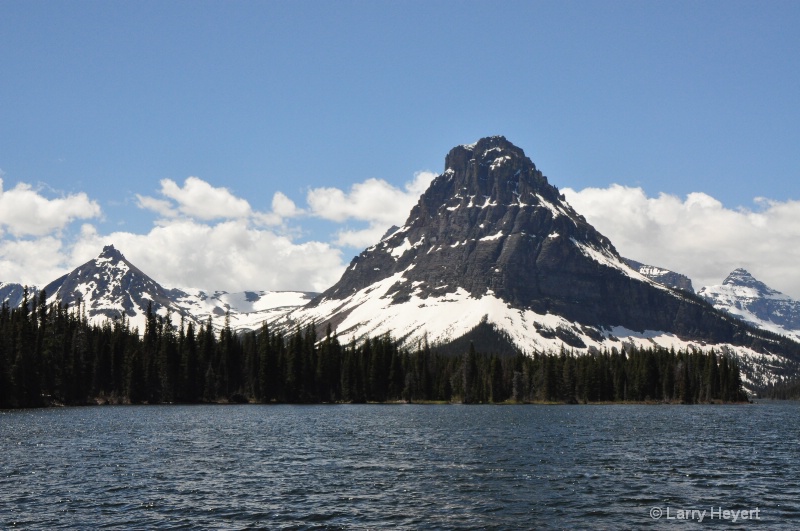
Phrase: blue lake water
x=401 y=466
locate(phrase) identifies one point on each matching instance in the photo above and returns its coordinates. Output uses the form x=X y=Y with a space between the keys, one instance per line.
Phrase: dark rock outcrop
x=491 y=223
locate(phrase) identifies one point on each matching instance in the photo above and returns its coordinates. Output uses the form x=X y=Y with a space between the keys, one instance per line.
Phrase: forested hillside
x=50 y=355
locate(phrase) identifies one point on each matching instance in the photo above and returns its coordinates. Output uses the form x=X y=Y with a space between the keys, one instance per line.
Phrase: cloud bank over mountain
x=698 y=235
x=210 y=237
x=205 y=236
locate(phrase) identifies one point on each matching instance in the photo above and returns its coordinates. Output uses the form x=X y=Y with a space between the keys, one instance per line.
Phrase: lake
x=401 y=466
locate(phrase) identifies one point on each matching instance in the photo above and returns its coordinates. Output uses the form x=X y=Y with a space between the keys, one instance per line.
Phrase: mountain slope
x=12 y=294
x=740 y=294
x=110 y=286
x=662 y=276
x=491 y=242
x=247 y=310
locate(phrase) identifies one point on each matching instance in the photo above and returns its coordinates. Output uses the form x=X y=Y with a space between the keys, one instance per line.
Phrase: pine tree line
x=51 y=355
x=788 y=389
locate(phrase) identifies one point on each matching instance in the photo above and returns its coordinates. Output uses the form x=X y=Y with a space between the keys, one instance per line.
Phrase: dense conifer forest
x=50 y=355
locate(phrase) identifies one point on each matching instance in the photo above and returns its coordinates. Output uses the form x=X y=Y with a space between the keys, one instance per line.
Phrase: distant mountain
x=12 y=294
x=248 y=309
x=662 y=276
x=493 y=253
x=109 y=287
x=740 y=294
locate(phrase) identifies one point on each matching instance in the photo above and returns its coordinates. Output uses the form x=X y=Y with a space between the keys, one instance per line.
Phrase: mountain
x=662 y=276
x=493 y=252
x=12 y=294
x=740 y=294
x=110 y=286
x=247 y=310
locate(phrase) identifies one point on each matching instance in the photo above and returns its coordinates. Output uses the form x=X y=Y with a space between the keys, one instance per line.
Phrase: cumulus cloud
x=35 y=262
x=206 y=238
x=25 y=212
x=374 y=201
x=283 y=208
x=697 y=235
x=230 y=255
x=196 y=199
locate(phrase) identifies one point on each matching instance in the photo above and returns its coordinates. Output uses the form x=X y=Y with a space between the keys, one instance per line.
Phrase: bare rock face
x=492 y=224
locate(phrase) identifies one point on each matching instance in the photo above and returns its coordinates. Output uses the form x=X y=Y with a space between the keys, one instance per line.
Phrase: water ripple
x=406 y=467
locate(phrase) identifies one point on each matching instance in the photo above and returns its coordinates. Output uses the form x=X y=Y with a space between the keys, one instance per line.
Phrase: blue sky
x=108 y=108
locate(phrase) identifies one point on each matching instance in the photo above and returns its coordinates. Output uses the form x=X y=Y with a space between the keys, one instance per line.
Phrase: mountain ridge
x=751 y=300
x=491 y=224
x=491 y=251
x=110 y=287
x=492 y=242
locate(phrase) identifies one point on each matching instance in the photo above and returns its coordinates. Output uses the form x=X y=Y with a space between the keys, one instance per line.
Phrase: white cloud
x=360 y=239
x=698 y=236
x=196 y=199
x=160 y=206
x=25 y=212
x=34 y=262
x=206 y=238
x=229 y=256
x=235 y=254
x=282 y=208
x=374 y=201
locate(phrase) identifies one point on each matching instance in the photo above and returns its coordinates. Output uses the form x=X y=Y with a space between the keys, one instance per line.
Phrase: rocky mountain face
x=662 y=276
x=109 y=287
x=492 y=225
x=493 y=246
x=744 y=296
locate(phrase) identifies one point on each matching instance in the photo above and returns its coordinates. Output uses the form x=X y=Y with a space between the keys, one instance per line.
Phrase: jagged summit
x=492 y=245
x=746 y=297
x=110 y=253
x=111 y=287
x=742 y=278
x=495 y=168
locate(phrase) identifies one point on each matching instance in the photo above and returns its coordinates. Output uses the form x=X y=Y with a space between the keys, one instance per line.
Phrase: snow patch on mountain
x=372 y=312
x=110 y=288
x=246 y=310
x=749 y=299
x=12 y=293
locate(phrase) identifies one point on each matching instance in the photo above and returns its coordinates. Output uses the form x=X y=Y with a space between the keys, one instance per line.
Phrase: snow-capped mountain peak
x=110 y=287
x=491 y=250
x=749 y=299
x=742 y=280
